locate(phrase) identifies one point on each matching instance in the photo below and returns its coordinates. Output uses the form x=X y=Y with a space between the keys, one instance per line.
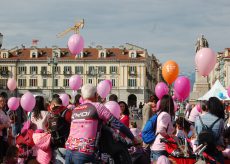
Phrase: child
x=135 y=131
x=182 y=127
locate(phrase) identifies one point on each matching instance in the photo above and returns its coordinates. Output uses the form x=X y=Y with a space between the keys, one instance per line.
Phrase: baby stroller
x=181 y=152
x=25 y=143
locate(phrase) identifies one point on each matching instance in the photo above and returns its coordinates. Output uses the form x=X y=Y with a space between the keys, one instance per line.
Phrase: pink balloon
x=75 y=82
x=11 y=84
x=103 y=88
x=81 y=101
x=114 y=108
x=65 y=99
x=110 y=83
x=161 y=89
x=228 y=91
x=174 y=97
x=198 y=108
x=13 y=103
x=28 y=101
x=205 y=60
x=158 y=104
x=76 y=44
x=182 y=87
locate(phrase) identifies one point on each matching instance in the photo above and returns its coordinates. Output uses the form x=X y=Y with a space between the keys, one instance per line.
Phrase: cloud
x=166 y=28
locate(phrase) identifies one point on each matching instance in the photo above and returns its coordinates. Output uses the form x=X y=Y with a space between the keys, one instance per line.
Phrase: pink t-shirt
x=163 y=122
x=194 y=113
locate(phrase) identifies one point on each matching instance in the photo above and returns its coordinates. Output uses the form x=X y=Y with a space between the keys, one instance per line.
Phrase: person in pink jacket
x=164 y=127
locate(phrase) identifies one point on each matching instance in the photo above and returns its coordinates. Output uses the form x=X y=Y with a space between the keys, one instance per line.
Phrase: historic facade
x=222 y=69
x=132 y=71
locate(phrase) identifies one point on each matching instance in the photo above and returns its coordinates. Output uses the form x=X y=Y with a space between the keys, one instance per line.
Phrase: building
x=132 y=71
x=222 y=69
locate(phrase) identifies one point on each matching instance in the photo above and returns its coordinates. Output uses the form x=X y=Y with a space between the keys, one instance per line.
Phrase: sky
x=166 y=28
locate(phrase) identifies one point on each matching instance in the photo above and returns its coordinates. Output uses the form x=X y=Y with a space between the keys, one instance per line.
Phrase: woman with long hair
x=164 y=127
x=215 y=117
x=124 y=117
x=39 y=114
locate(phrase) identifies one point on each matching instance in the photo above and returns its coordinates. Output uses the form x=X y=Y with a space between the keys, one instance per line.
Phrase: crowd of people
x=53 y=133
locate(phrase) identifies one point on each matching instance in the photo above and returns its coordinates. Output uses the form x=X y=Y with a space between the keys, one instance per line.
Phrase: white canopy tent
x=218 y=91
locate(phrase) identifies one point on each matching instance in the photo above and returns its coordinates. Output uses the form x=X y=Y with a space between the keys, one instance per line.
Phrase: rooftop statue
x=201 y=43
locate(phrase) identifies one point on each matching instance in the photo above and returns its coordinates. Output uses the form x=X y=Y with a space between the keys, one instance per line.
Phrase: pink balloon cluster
x=161 y=89
x=228 y=91
x=28 y=101
x=65 y=99
x=103 y=88
x=114 y=108
x=11 y=84
x=13 y=103
x=76 y=44
x=205 y=60
x=75 y=82
x=182 y=88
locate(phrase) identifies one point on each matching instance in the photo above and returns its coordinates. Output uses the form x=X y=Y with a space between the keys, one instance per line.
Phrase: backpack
x=149 y=132
x=59 y=129
x=207 y=137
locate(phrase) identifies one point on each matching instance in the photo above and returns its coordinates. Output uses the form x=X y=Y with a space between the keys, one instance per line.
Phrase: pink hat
x=163 y=160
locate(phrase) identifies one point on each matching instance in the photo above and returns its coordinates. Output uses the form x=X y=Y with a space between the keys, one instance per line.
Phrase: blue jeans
x=156 y=154
x=74 y=157
x=59 y=155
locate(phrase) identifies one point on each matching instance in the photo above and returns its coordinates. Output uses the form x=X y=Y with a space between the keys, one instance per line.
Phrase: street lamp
x=1 y=38
x=53 y=62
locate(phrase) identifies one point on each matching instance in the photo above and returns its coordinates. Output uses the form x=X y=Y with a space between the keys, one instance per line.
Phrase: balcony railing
x=44 y=73
x=67 y=72
x=133 y=73
x=4 y=73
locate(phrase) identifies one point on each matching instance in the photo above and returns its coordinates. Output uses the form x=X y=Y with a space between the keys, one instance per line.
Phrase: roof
x=89 y=54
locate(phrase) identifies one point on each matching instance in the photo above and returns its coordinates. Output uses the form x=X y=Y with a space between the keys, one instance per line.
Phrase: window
x=103 y=55
x=102 y=70
x=132 y=82
x=34 y=54
x=33 y=82
x=113 y=69
x=67 y=70
x=132 y=70
x=91 y=70
x=4 y=70
x=21 y=70
x=56 y=82
x=90 y=81
x=43 y=70
x=4 y=55
x=99 y=80
x=44 y=84
x=33 y=70
x=66 y=82
x=3 y=83
x=133 y=55
x=113 y=82
x=57 y=69
x=79 y=70
x=22 y=82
